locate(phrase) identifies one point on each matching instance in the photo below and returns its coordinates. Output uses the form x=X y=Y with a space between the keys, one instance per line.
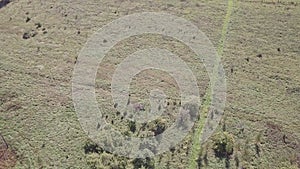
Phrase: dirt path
x=196 y=143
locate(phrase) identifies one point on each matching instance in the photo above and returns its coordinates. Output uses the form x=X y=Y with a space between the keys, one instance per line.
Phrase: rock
x=38 y=25
x=40 y=67
x=26 y=35
x=30 y=34
x=27 y=19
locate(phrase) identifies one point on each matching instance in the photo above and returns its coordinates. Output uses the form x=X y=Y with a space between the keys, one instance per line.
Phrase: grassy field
x=257 y=41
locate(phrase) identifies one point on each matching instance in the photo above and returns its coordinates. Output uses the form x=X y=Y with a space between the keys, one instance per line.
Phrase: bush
x=147 y=163
x=91 y=147
x=160 y=127
x=223 y=144
x=193 y=110
x=132 y=126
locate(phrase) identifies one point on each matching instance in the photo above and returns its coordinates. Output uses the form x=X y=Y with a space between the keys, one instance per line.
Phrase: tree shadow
x=227 y=162
x=3 y=3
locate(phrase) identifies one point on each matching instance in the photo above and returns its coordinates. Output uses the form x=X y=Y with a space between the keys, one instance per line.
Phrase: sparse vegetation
x=258 y=45
x=7 y=155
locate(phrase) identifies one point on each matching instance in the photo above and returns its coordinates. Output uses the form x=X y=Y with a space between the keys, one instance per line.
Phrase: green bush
x=223 y=143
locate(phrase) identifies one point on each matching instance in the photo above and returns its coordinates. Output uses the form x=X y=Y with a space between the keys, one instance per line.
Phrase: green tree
x=223 y=143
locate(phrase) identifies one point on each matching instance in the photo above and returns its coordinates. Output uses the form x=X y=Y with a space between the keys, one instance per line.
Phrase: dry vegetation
x=40 y=41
